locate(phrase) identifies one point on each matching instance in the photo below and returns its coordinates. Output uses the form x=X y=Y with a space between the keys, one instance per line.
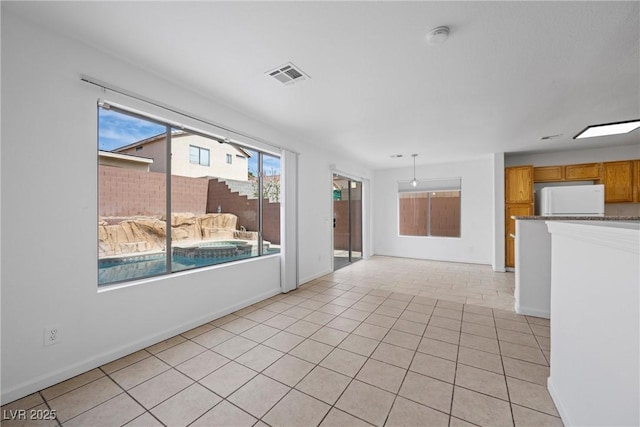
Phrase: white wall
x=316 y=224
x=498 y=212
x=49 y=219
x=476 y=244
x=552 y=158
x=595 y=322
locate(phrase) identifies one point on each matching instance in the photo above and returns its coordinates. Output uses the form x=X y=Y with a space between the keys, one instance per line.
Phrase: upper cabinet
x=548 y=173
x=617 y=178
x=582 y=172
x=621 y=179
x=518 y=184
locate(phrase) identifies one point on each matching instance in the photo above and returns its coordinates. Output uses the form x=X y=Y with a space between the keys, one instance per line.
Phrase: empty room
x=320 y=213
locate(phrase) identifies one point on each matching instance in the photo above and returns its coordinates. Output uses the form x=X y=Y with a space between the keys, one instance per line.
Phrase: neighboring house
x=107 y=158
x=193 y=156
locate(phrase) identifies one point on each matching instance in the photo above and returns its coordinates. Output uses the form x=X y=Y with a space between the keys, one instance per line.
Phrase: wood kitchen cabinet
x=548 y=174
x=636 y=180
x=582 y=172
x=510 y=252
x=617 y=178
x=513 y=209
x=518 y=184
x=518 y=195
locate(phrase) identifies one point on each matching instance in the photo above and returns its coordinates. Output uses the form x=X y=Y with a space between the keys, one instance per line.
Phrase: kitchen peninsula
x=595 y=327
x=533 y=260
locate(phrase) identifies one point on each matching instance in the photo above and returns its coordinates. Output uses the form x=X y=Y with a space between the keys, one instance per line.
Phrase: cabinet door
x=518 y=184
x=617 y=178
x=510 y=252
x=636 y=180
x=548 y=173
x=581 y=172
x=521 y=209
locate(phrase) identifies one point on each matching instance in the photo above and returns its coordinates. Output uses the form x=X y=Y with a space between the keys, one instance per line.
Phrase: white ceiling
x=510 y=73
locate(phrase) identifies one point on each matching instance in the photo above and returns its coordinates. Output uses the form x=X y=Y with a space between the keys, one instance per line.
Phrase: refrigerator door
x=578 y=200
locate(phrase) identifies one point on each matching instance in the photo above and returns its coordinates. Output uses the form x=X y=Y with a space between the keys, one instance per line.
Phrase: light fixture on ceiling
x=414 y=182
x=550 y=137
x=607 y=129
x=438 y=35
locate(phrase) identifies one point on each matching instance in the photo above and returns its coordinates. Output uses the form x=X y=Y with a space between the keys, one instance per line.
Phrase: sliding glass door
x=347 y=221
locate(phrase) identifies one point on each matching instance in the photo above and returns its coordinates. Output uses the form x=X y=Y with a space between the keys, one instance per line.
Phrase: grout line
x=48 y=407
x=455 y=374
x=506 y=384
x=134 y=399
x=342 y=283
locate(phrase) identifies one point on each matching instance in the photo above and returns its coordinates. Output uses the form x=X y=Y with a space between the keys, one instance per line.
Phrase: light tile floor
x=367 y=345
x=466 y=283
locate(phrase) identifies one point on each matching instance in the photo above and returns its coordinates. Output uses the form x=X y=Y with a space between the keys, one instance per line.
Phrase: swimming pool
x=120 y=269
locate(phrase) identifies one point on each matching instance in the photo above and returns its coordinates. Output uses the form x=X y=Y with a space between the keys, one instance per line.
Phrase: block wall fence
x=444 y=216
x=126 y=192
x=245 y=209
x=341 y=230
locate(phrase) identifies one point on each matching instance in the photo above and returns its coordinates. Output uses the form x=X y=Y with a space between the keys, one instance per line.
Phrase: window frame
x=168 y=189
x=229 y=159
x=430 y=187
x=200 y=151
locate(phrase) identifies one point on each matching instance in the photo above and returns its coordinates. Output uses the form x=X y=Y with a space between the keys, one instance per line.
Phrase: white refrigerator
x=573 y=200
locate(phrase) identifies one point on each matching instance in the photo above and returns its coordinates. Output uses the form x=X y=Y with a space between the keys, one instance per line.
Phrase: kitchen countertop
x=577 y=218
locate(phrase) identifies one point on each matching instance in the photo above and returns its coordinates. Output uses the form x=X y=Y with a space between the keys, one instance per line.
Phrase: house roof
x=127 y=157
x=175 y=133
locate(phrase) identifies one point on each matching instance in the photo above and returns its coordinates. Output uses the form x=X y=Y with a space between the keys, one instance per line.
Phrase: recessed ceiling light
x=608 y=129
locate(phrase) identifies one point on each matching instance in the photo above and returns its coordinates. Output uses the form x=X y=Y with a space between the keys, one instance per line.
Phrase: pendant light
x=414 y=182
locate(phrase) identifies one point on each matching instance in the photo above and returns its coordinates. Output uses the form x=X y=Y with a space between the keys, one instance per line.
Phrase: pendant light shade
x=414 y=182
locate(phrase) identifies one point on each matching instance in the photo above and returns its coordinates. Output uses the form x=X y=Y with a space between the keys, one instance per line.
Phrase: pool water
x=116 y=270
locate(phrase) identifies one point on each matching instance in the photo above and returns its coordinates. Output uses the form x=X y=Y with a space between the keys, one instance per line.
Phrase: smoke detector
x=288 y=74
x=438 y=35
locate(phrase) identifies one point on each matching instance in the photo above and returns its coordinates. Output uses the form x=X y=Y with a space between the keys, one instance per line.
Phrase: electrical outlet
x=51 y=335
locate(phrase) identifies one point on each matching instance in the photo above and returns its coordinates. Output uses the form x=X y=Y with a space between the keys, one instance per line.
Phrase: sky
x=271 y=165
x=116 y=130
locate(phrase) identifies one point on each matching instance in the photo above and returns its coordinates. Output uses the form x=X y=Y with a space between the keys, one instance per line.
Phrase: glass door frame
x=351 y=226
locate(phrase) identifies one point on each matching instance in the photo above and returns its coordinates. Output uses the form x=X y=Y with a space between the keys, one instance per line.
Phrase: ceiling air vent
x=288 y=74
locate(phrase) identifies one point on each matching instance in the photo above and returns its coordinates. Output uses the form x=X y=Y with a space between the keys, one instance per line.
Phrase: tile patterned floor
x=348 y=349
x=465 y=283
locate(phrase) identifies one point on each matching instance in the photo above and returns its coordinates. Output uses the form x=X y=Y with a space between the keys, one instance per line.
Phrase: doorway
x=347 y=221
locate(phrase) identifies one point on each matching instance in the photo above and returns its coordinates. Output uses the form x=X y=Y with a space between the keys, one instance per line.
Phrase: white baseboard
x=314 y=277
x=71 y=371
x=559 y=406
x=532 y=311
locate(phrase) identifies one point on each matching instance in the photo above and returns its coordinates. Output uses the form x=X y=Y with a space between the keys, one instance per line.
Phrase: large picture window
x=431 y=208
x=166 y=204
